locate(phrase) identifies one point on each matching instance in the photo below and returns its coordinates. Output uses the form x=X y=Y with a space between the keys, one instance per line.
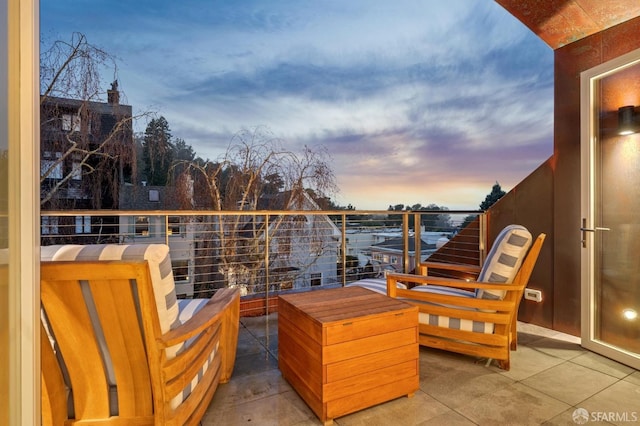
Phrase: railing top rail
x=245 y=212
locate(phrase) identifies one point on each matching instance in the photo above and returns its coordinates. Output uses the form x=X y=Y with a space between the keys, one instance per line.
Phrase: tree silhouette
x=491 y=198
x=158 y=151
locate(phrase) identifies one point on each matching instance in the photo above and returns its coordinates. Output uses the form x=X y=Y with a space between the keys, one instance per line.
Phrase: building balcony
x=266 y=254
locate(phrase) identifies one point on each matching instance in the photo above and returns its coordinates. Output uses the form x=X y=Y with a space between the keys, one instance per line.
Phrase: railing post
x=405 y=245
x=417 y=228
x=343 y=248
x=482 y=237
x=267 y=242
x=166 y=229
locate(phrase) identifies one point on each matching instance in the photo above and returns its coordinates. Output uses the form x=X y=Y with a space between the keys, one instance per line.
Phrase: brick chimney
x=113 y=95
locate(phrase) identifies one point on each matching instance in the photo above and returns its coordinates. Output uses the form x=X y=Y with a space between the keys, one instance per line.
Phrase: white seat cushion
x=378 y=285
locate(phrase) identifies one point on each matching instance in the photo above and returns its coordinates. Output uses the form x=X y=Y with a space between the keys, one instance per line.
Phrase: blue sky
x=416 y=101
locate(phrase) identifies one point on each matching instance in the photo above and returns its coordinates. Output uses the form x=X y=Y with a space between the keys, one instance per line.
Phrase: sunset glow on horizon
x=416 y=102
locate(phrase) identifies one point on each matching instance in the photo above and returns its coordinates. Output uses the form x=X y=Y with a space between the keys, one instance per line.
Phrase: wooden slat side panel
x=116 y=309
x=466 y=336
x=113 y=421
x=505 y=305
x=204 y=344
x=64 y=304
x=360 y=347
x=192 y=409
x=229 y=338
x=311 y=345
x=363 y=382
x=481 y=351
x=371 y=363
x=348 y=330
x=192 y=362
x=306 y=393
x=54 y=393
x=293 y=315
x=358 y=401
x=369 y=306
x=310 y=371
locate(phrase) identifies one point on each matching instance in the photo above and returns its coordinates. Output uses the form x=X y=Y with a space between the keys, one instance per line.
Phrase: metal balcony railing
x=263 y=252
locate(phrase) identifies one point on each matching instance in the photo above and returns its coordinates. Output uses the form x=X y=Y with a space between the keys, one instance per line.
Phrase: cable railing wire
x=268 y=252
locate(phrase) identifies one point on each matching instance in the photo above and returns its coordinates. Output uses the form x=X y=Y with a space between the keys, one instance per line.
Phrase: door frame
x=589 y=131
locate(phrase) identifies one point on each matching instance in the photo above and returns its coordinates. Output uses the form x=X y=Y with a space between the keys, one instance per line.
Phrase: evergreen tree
x=495 y=194
x=157 y=151
x=183 y=151
x=491 y=198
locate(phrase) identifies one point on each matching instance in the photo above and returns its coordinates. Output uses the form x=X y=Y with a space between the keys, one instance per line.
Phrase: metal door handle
x=584 y=230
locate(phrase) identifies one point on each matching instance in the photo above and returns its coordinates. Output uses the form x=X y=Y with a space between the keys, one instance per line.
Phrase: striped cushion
x=456 y=323
x=378 y=285
x=448 y=322
x=504 y=259
x=188 y=308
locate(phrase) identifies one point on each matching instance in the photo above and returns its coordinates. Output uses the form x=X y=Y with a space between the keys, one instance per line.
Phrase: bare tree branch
x=256 y=173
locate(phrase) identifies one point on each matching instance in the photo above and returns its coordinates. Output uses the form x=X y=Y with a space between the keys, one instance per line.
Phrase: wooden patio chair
x=479 y=317
x=118 y=348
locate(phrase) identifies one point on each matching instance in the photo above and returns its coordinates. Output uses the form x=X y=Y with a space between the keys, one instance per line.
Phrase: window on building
x=49 y=225
x=142 y=226
x=174 y=226
x=76 y=171
x=83 y=224
x=154 y=195
x=71 y=122
x=180 y=270
x=316 y=279
x=51 y=165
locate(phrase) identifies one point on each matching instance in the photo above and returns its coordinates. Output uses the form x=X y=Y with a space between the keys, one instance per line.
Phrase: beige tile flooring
x=551 y=377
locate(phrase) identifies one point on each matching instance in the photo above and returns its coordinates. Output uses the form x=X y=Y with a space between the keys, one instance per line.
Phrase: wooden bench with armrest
x=109 y=357
x=455 y=317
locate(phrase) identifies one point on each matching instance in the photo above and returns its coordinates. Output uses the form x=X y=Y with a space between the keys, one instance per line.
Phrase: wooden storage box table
x=347 y=348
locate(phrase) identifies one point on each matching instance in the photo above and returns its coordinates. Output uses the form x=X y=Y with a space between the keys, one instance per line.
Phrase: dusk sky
x=416 y=101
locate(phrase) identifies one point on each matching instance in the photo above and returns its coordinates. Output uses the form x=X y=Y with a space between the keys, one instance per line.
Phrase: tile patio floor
x=551 y=376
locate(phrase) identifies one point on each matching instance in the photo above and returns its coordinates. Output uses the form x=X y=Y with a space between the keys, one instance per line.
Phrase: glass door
x=610 y=221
